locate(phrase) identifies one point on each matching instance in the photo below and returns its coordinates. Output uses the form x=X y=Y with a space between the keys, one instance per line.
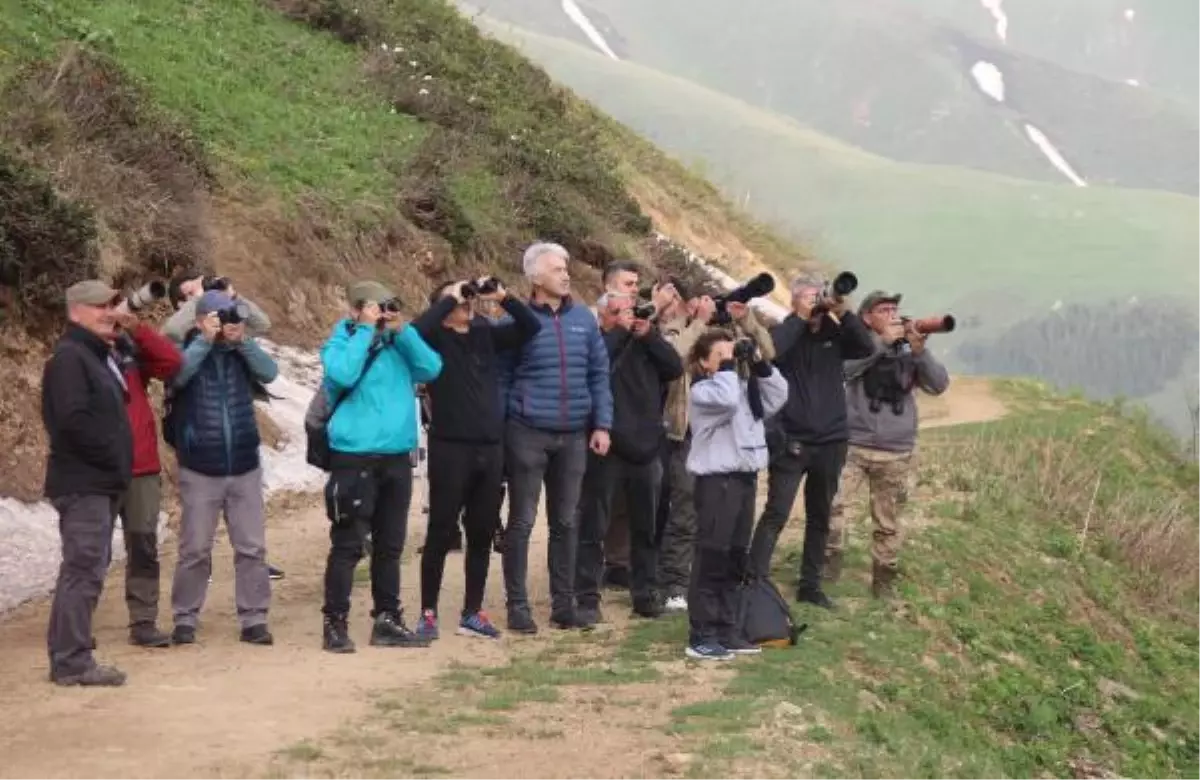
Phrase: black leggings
x=461 y=476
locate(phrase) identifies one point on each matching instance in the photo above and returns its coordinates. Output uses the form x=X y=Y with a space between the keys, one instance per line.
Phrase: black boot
x=389 y=631
x=337 y=635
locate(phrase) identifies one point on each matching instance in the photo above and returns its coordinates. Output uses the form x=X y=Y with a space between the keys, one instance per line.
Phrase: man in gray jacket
x=882 y=416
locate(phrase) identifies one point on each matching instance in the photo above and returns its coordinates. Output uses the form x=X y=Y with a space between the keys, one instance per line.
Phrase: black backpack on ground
x=764 y=616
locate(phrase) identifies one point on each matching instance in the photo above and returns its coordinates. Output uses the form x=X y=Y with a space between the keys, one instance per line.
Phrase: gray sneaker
x=108 y=676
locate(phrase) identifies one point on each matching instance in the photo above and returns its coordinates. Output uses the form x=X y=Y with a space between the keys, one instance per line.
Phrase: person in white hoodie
x=729 y=448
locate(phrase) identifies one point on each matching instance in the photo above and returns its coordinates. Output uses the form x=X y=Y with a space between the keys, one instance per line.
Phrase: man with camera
x=641 y=362
x=212 y=427
x=882 y=415
x=734 y=390
x=183 y=291
x=144 y=355
x=373 y=363
x=559 y=407
x=685 y=318
x=466 y=453
x=809 y=436
x=89 y=469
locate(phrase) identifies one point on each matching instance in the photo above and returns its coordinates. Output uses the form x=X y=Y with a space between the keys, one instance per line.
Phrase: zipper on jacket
x=562 y=368
x=225 y=416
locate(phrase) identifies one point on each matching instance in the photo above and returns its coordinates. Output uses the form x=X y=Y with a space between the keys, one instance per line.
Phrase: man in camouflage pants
x=883 y=434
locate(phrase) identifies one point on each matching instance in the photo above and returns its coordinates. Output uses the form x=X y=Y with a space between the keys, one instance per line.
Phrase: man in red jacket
x=145 y=355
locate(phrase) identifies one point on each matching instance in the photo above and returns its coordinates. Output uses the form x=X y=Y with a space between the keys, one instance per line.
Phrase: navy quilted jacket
x=559 y=379
x=216 y=433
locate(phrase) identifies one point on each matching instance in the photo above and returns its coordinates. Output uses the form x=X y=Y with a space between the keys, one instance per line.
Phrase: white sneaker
x=676 y=604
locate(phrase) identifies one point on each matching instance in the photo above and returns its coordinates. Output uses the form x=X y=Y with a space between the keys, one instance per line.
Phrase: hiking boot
x=147 y=635
x=97 y=676
x=569 y=621
x=478 y=625
x=257 y=634
x=676 y=604
x=274 y=573
x=650 y=609
x=588 y=617
x=389 y=631
x=739 y=646
x=832 y=571
x=337 y=635
x=707 y=651
x=521 y=622
x=427 y=625
x=183 y=635
x=814 y=596
x=883 y=581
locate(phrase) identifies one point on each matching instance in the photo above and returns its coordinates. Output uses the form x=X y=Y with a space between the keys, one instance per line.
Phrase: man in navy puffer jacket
x=215 y=435
x=559 y=406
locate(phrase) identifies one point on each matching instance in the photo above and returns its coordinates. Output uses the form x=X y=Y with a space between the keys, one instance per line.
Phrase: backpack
x=321 y=410
x=764 y=617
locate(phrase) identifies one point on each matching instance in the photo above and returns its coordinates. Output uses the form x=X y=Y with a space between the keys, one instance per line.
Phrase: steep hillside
x=895 y=76
x=297 y=144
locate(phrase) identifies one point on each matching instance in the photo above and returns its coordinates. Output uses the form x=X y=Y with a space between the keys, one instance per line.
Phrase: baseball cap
x=91 y=292
x=368 y=291
x=876 y=297
x=213 y=300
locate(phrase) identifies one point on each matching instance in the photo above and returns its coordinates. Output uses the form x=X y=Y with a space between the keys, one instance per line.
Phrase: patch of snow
x=1133 y=82
x=990 y=80
x=1129 y=14
x=580 y=20
x=996 y=9
x=1053 y=155
x=1057 y=305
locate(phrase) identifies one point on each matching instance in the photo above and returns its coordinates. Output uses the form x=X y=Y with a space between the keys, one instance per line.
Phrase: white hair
x=531 y=261
x=602 y=301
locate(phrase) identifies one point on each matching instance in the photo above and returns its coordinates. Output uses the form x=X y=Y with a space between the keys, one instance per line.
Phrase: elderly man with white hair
x=809 y=436
x=559 y=406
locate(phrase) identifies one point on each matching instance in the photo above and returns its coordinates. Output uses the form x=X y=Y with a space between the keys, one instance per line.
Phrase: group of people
x=649 y=419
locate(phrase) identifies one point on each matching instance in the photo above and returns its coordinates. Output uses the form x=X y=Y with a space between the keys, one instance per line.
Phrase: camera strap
x=371 y=356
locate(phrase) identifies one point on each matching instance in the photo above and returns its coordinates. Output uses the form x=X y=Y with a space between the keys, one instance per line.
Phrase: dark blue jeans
x=559 y=460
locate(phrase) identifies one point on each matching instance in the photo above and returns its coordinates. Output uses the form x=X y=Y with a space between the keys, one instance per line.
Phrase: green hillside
x=996 y=247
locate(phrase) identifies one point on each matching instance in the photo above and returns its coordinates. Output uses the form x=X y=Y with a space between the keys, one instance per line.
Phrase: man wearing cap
x=809 y=436
x=89 y=468
x=212 y=427
x=883 y=432
x=373 y=362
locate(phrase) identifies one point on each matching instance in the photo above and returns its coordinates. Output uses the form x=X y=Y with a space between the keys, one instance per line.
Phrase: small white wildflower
x=513 y=137
x=383 y=46
x=427 y=77
x=422 y=91
x=412 y=63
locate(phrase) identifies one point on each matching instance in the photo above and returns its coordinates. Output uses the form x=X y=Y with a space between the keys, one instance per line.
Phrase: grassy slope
x=962 y=233
x=1021 y=644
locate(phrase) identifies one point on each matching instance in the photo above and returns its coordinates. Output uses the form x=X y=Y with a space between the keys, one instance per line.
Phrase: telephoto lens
x=145 y=295
x=644 y=312
x=215 y=283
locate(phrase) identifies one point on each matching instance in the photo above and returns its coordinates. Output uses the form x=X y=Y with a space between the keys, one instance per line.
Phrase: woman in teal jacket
x=372 y=363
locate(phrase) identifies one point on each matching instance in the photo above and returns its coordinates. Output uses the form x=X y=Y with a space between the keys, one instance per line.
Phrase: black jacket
x=812 y=364
x=640 y=370
x=83 y=409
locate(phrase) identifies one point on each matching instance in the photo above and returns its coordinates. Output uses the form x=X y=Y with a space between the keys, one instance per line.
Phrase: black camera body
x=744 y=349
x=234 y=315
x=644 y=311
x=219 y=283
x=487 y=286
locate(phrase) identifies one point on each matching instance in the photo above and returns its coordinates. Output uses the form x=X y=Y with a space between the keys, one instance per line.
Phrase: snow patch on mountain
x=990 y=80
x=996 y=9
x=580 y=20
x=1053 y=155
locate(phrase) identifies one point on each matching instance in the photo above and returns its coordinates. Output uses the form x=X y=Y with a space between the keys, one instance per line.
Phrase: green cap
x=92 y=292
x=368 y=292
x=876 y=297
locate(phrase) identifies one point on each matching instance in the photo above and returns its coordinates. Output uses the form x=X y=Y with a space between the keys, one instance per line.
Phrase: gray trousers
x=204 y=499
x=559 y=460
x=85 y=523
x=139 y=522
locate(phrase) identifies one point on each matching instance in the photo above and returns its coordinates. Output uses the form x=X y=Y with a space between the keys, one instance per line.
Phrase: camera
x=220 y=283
x=234 y=315
x=744 y=349
x=644 y=311
x=836 y=291
x=485 y=286
x=757 y=287
x=145 y=295
x=944 y=323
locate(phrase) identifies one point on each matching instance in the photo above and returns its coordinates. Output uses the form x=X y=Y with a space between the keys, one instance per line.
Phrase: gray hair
x=806 y=279
x=602 y=301
x=532 y=256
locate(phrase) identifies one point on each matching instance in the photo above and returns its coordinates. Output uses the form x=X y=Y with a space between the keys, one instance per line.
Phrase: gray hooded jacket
x=884 y=429
x=726 y=438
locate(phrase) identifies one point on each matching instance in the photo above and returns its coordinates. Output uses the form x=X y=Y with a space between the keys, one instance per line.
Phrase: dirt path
x=219 y=705
x=970 y=399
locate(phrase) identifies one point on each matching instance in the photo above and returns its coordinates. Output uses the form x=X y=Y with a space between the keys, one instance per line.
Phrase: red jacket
x=154 y=357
